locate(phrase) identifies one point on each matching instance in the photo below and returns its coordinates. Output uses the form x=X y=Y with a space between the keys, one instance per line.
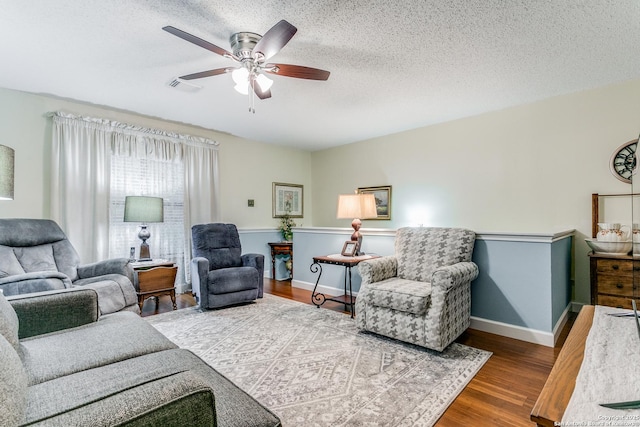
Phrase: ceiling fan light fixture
x=240 y=76
x=264 y=82
x=242 y=88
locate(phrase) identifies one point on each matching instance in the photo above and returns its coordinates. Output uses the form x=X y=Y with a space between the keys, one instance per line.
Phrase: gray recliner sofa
x=35 y=256
x=61 y=366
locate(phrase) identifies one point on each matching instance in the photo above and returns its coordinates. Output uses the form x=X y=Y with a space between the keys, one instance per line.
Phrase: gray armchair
x=422 y=294
x=35 y=256
x=220 y=274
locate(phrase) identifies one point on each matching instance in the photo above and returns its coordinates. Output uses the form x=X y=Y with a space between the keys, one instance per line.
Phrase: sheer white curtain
x=83 y=149
x=80 y=182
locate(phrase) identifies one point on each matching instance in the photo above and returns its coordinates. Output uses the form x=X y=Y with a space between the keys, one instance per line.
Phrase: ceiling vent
x=184 y=86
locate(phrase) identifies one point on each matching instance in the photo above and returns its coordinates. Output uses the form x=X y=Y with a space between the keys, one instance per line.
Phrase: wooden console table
x=557 y=391
x=281 y=248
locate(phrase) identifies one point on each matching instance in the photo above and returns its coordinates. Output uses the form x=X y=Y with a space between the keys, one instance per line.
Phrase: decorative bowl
x=614 y=248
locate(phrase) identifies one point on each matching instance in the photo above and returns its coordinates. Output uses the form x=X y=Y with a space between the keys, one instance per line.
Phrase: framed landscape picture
x=382 y=195
x=287 y=200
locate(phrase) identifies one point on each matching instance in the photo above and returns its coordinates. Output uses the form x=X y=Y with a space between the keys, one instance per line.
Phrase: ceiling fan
x=251 y=51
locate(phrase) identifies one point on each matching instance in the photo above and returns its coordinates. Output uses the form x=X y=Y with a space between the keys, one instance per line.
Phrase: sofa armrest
x=43 y=312
x=256 y=261
x=102 y=268
x=446 y=278
x=378 y=269
x=199 y=274
x=253 y=260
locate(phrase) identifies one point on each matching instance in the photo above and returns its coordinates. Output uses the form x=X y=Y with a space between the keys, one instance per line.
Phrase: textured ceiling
x=395 y=65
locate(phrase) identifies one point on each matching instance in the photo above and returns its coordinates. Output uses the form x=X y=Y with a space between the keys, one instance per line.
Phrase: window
x=132 y=176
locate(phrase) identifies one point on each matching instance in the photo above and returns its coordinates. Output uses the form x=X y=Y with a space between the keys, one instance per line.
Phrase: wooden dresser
x=612 y=279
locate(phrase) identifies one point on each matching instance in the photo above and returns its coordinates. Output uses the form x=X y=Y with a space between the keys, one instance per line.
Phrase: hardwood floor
x=501 y=394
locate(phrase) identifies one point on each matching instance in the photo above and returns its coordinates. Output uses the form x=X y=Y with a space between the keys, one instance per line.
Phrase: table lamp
x=357 y=206
x=6 y=172
x=143 y=209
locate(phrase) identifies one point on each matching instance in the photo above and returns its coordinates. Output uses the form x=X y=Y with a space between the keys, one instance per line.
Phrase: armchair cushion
x=25 y=283
x=9 y=264
x=46 y=357
x=420 y=251
x=218 y=243
x=233 y=280
x=400 y=294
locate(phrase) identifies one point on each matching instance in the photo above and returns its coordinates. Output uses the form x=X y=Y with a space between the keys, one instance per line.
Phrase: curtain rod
x=129 y=127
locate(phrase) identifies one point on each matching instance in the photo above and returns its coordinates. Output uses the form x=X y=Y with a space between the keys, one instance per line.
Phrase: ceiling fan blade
x=196 y=40
x=274 y=39
x=208 y=73
x=297 y=71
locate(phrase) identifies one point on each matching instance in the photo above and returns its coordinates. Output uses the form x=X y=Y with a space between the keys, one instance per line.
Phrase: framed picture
x=383 y=200
x=349 y=248
x=288 y=200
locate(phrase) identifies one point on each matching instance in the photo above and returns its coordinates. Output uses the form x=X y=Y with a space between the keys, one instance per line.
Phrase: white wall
x=525 y=169
x=529 y=169
x=247 y=168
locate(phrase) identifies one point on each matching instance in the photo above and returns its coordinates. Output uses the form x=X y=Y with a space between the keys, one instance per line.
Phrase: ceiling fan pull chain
x=253 y=99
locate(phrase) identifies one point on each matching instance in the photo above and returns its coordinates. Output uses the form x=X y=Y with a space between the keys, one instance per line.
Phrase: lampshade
x=143 y=209
x=6 y=172
x=264 y=82
x=360 y=206
x=242 y=76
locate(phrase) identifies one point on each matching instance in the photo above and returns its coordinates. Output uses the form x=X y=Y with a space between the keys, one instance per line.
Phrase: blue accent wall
x=524 y=280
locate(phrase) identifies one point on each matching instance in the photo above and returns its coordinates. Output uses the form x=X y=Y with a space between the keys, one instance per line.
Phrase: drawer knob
x=615 y=267
x=619 y=286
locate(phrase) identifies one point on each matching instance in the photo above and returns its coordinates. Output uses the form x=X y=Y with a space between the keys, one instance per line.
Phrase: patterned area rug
x=312 y=367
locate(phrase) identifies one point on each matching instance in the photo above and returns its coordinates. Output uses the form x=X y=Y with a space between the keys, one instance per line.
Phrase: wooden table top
x=557 y=391
x=347 y=261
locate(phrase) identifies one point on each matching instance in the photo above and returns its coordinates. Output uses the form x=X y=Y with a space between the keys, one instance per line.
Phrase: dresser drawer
x=615 y=266
x=610 y=301
x=617 y=285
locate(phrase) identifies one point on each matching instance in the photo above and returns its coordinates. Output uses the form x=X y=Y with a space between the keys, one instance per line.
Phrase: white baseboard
x=321 y=289
x=512 y=331
x=534 y=336
x=547 y=339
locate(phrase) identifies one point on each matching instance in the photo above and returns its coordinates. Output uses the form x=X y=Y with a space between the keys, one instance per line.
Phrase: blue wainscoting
x=524 y=286
x=523 y=290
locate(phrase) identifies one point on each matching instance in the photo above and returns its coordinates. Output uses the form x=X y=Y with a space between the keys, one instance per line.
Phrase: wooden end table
x=281 y=248
x=318 y=298
x=154 y=279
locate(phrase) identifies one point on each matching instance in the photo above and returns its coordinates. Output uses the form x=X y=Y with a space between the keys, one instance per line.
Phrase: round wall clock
x=623 y=161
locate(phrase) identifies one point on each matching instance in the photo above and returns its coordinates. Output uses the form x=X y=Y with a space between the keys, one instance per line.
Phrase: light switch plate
x=250 y=203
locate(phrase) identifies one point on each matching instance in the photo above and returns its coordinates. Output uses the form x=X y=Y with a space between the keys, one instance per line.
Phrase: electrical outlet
x=250 y=203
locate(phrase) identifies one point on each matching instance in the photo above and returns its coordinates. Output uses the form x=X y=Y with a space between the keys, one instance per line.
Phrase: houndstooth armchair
x=422 y=294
